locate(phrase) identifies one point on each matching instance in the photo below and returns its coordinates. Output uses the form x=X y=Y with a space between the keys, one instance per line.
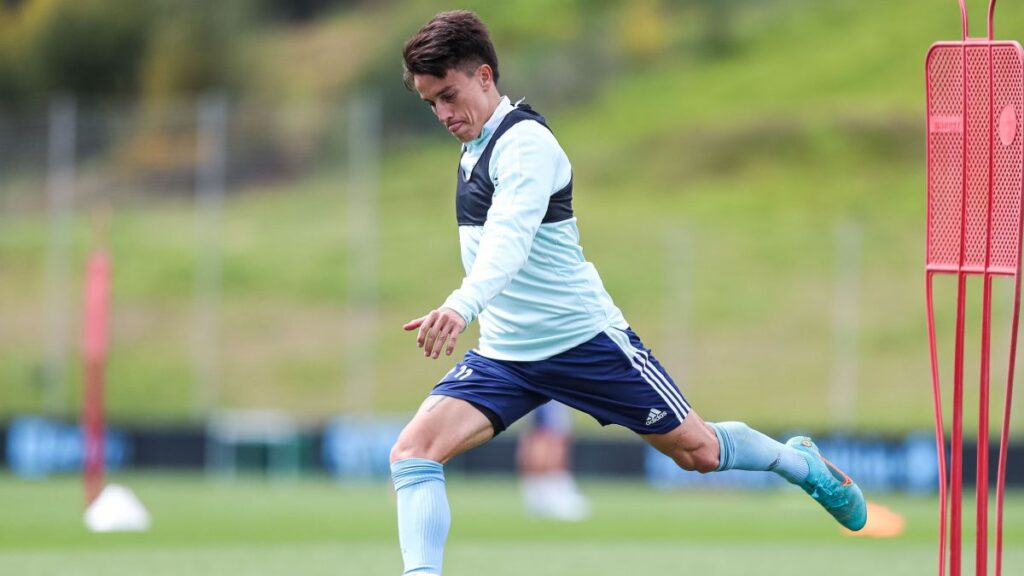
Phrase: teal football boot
x=831 y=487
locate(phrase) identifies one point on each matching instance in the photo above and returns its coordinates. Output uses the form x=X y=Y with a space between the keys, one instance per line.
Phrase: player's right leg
x=475 y=401
x=441 y=429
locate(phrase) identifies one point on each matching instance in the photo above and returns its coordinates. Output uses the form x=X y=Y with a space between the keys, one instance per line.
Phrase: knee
x=422 y=445
x=703 y=459
x=706 y=461
x=405 y=448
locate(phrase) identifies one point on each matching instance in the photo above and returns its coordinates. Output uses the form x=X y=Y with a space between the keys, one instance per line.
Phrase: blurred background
x=750 y=182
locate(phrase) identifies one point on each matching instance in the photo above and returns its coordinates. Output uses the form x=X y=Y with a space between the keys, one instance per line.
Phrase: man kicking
x=548 y=328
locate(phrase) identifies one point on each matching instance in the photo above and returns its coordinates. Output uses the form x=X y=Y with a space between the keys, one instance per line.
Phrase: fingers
x=451 y=343
x=452 y=327
x=426 y=324
x=436 y=335
x=440 y=327
x=449 y=332
x=439 y=342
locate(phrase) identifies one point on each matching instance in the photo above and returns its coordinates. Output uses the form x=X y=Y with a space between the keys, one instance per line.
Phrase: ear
x=485 y=75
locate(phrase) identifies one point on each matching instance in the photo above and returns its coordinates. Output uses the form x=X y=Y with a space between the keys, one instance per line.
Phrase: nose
x=444 y=112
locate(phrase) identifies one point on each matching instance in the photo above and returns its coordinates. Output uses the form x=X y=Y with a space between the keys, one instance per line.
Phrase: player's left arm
x=524 y=167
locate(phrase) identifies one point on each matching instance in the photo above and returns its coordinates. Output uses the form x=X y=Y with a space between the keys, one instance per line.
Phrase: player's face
x=462 y=102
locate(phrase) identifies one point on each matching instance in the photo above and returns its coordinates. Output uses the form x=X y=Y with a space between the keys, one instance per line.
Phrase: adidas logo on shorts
x=655 y=416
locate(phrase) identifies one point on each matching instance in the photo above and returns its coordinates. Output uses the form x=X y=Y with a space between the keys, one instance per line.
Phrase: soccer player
x=547 y=486
x=548 y=328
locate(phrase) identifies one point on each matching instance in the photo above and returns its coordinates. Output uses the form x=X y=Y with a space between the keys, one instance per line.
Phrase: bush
x=81 y=46
x=196 y=48
x=154 y=48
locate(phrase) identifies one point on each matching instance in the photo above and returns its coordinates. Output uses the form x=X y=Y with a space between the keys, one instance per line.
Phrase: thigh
x=497 y=389
x=442 y=428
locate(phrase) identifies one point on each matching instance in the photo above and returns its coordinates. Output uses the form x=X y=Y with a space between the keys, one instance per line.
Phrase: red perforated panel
x=1007 y=158
x=945 y=155
x=977 y=186
x=978 y=136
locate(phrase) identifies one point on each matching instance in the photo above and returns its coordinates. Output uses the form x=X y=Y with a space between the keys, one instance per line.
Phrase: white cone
x=117 y=509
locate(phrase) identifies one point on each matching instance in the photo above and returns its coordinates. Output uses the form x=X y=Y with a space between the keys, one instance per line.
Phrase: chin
x=466 y=133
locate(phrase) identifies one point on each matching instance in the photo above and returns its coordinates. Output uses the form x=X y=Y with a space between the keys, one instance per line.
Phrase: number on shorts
x=463 y=373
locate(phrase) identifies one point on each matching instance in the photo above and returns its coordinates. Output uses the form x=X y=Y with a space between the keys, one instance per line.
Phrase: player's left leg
x=714 y=447
x=616 y=379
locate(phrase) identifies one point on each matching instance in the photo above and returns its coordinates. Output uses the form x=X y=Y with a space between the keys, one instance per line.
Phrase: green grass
x=257 y=527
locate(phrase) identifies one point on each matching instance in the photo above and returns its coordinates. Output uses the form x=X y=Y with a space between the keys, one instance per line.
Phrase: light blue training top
x=527 y=281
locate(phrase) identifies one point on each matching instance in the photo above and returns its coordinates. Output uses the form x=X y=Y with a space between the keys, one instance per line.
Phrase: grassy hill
x=709 y=192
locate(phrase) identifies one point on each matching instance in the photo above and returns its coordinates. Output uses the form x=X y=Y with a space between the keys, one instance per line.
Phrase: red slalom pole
x=1004 y=438
x=957 y=441
x=97 y=305
x=940 y=437
x=981 y=482
x=975 y=166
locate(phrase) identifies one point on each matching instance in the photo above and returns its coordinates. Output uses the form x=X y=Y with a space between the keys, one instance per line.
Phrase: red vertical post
x=981 y=484
x=1004 y=437
x=957 y=440
x=940 y=437
x=97 y=303
x=975 y=154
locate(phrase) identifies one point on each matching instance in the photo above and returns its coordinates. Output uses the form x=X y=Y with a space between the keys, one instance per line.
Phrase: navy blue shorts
x=612 y=377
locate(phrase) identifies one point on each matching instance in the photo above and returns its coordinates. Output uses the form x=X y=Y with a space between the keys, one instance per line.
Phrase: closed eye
x=447 y=96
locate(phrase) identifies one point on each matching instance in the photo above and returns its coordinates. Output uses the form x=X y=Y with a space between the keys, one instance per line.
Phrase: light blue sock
x=743 y=448
x=423 y=514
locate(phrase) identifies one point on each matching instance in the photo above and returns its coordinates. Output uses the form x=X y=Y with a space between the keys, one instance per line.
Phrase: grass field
x=255 y=527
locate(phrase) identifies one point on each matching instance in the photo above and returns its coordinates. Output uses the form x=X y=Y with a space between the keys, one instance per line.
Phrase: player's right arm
x=524 y=168
x=525 y=165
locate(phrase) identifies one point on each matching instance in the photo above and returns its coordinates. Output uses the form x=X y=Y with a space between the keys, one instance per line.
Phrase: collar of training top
x=504 y=107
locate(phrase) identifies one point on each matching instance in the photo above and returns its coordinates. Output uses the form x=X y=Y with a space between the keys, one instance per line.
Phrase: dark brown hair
x=456 y=39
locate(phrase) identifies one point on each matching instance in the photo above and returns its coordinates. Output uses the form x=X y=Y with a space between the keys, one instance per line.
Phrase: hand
x=435 y=328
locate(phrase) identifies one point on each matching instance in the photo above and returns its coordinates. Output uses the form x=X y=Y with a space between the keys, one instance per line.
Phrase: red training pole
x=981 y=484
x=1004 y=437
x=97 y=303
x=940 y=438
x=957 y=441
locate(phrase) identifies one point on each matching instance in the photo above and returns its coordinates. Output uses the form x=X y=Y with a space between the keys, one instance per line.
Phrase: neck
x=492 y=105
